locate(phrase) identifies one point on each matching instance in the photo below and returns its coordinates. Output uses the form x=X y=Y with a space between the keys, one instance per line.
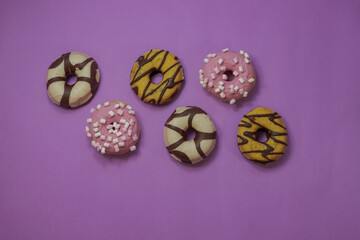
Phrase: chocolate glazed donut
x=189 y=151
x=67 y=65
x=262 y=119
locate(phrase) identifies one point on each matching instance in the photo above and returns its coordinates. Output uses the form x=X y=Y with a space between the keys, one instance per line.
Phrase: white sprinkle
x=129 y=132
x=241 y=80
x=102 y=121
x=217 y=90
x=89 y=120
x=106 y=145
x=217 y=70
x=213 y=55
x=97 y=134
x=96 y=124
x=123 y=138
x=225 y=50
x=109 y=126
x=111 y=130
x=201 y=71
x=213 y=76
x=116 y=148
x=203 y=85
x=103 y=151
x=224 y=76
x=129 y=107
x=99 y=148
x=114 y=131
x=206 y=60
x=93 y=143
x=221 y=87
x=206 y=80
x=220 y=61
x=132 y=112
x=127 y=125
x=121 y=144
x=120 y=112
x=102 y=137
x=132 y=121
x=241 y=69
x=117 y=126
x=236 y=60
x=245 y=94
x=241 y=52
x=222 y=95
x=211 y=84
x=241 y=91
x=122 y=105
x=135 y=137
x=236 y=88
x=209 y=55
x=92 y=110
x=223 y=68
x=96 y=129
x=111 y=113
x=247 y=55
x=87 y=129
x=98 y=106
x=231 y=86
x=116 y=106
x=118 y=134
x=235 y=73
x=89 y=135
x=201 y=77
x=247 y=60
x=221 y=83
x=122 y=121
x=115 y=140
x=106 y=104
x=109 y=139
x=232 y=101
x=201 y=82
x=251 y=80
x=133 y=148
x=231 y=90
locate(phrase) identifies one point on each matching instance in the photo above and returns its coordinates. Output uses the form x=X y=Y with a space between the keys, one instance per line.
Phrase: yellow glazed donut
x=157 y=61
x=262 y=119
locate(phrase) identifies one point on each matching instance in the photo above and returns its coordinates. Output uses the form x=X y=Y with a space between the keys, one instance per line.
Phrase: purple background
x=54 y=185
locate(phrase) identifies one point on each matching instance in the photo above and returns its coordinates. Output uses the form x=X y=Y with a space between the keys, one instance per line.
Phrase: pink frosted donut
x=214 y=75
x=113 y=128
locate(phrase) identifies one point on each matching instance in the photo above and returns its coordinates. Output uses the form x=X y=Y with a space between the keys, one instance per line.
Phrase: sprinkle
x=102 y=137
x=223 y=68
x=96 y=129
x=245 y=94
x=235 y=73
x=111 y=130
x=99 y=148
x=121 y=144
x=201 y=71
x=209 y=55
x=116 y=106
x=93 y=143
x=109 y=126
x=213 y=76
x=106 y=145
x=201 y=82
x=224 y=76
x=87 y=129
x=231 y=86
x=123 y=138
x=217 y=90
x=98 y=106
x=120 y=112
x=96 y=124
x=241 y=80
x=241 y=69
x=231 y=90
x=102 y=121
x=247 y=60
x=118 y=134
x=251 y=80
x=236 y=60
x=241 y=91
x=122 y=105
x=222 y=95
x=117 y=126
x=132 y=112
x=211 y=84
x=201 y=77
x=127 y=125
x=97 y=134
x=115 y=140
x=89 y=135
x=114 y=131
x=213 y=55
x=109 y=139
x=116 y=148
x=236 y=88
x=92 y=110
x=103 y=151
x=225 y=50
x=132 y=121
x=221 y=83
x=232 y=101
x=220 y=61
x=247 y=55
x=89 y=120
x=133 y=148
x=122 y=120
x=206 y=60
x=241 y=52
x=129 y=107
x=111 y=113
x=204 y=85
x=206 y=80
x=221 y=87
x=129 y=132
x=135 y=137
x=217 y=70
x=106 y=104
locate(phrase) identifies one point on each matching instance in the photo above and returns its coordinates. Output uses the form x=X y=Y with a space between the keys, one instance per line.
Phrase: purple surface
x=54 y=185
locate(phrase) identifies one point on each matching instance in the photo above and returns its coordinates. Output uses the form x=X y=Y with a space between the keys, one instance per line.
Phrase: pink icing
x=212 y=66
x=126 y=123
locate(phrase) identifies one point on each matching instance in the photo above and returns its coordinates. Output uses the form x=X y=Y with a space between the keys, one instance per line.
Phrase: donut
x=197 y=149
x=153 y=62
x=257 y=120
x=214 y=75
x=67 y=65
x=113 y=128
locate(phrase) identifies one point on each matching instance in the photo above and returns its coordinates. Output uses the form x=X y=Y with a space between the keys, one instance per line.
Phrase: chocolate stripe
x=54 y=79
x=65 y=98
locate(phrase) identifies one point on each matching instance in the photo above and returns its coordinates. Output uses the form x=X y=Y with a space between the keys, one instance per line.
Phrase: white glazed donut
x=197 y=149
x=68 y=64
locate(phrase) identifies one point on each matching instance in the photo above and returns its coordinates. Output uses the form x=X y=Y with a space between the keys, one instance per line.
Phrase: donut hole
x=71 y=79
x=156 y=77
x=261 y=135
x=230 y=75
x=190 y=134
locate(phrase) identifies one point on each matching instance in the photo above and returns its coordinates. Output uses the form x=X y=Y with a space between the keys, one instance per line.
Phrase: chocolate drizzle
x=69 y=70
x=247 y=138
x=199 y=136
x=167 y=83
